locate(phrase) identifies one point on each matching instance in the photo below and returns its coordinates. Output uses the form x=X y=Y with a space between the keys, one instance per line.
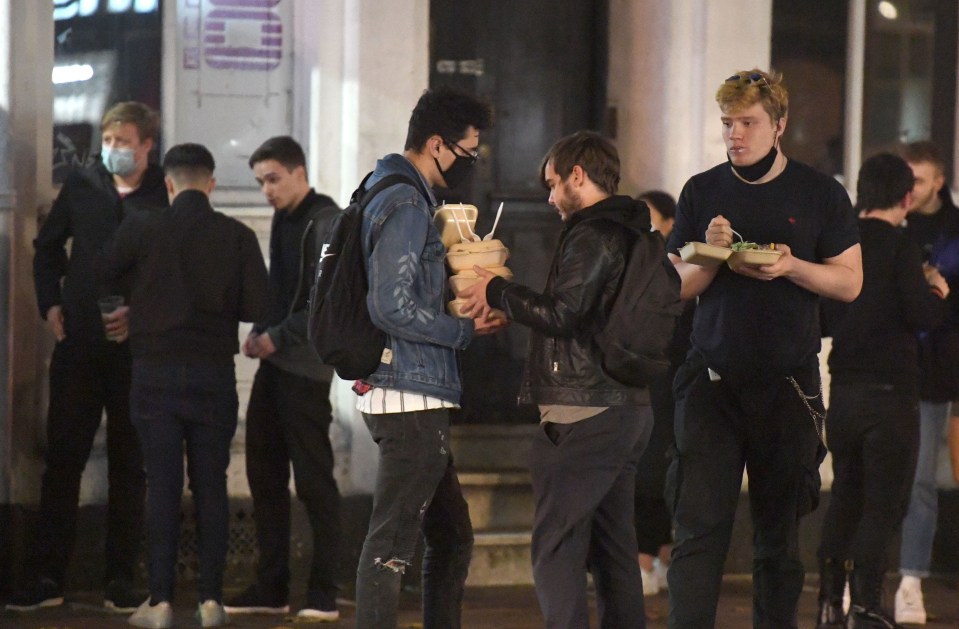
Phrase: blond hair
x=146 y=120
x=748 y=87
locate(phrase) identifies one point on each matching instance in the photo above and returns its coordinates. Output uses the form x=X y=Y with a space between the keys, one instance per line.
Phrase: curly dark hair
x=448 y=113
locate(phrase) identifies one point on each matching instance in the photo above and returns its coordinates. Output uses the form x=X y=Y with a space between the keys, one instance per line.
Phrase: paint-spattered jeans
x=416 y=487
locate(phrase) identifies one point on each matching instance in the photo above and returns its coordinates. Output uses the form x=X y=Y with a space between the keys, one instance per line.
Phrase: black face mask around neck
x=457 y=172
x=757 y=170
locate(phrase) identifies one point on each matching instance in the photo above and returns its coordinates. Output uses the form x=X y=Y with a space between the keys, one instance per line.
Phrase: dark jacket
x=563 y=363
x=296 y=242
x=196 y=273
x=88 y=210
x=938 y=237
x=874 y=337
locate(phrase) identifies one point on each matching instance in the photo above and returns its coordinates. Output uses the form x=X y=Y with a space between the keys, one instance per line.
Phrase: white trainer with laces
x=909 y=605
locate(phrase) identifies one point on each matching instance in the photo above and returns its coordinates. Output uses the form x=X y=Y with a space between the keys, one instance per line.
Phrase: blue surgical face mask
x=118 y=161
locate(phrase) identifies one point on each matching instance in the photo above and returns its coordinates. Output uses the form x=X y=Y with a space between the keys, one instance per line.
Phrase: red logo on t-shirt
x=792 y=221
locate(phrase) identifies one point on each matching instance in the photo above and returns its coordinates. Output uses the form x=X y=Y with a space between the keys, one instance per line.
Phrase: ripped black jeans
x=416 y=487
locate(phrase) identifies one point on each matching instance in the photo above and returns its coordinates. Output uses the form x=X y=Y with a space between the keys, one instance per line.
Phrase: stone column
x=666 y=61
x=26 y=120
x=360 y=67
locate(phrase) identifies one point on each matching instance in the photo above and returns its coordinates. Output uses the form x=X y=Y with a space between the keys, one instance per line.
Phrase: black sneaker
x=43 y=593
x=320 y=608
x=255 y=600
x=119 y=597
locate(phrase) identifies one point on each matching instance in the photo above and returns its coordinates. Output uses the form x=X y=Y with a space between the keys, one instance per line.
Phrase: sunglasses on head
x=753 y=78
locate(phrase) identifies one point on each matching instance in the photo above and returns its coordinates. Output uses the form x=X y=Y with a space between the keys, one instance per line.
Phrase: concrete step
x=501 y=558
x=498 y=500
x=491 y=447
x=492 y=467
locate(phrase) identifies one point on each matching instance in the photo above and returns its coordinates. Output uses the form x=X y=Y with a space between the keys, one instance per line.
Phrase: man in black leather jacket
x=583 y=461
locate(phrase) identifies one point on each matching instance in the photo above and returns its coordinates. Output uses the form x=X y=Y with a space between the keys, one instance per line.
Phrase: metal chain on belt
x=818 y=419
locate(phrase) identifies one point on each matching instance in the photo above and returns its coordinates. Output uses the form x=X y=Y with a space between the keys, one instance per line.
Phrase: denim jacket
x=409 y=290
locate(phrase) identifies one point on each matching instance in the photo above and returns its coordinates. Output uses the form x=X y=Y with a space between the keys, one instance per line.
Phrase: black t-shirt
x=874 y=337
x=747 y=326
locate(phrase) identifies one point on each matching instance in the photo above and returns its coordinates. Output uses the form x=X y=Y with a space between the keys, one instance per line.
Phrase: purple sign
x=256 y=17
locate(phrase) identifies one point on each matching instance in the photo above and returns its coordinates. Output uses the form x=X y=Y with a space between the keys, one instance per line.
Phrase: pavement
x=483 y=608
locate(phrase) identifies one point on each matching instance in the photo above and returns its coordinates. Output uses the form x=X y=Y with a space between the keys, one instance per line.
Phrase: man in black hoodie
x=583 y=461
x=90 y=372
x=289 y=414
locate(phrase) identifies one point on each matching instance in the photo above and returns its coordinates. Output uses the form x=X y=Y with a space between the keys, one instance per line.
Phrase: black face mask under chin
x=757 y=170
x=457 y=172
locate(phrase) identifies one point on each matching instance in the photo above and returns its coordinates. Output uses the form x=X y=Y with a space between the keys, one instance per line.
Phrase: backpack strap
x=363 y=196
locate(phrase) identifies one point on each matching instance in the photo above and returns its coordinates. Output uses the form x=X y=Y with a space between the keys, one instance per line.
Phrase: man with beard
x=749 y=392
x=594 y=429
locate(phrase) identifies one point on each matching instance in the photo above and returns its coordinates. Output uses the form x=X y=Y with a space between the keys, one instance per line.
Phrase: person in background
x=90 y=370
x=654 y=529
x=289 y=413
x=873 y=421
x=196 y=273
x=933 y=224
x=749 y=394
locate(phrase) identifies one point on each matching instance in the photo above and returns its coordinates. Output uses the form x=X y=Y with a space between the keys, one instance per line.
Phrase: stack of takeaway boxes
x=456 y=224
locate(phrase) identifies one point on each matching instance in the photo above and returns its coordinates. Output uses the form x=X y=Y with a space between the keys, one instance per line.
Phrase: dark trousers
x=416 y=487
x=654 y=524
x=764 y=425
x=288 y=419
x=874 y=438
x=196 y=405
x=82 y=384
x=583 y=477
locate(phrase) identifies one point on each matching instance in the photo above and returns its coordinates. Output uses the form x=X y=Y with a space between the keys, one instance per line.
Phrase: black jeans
x=197 y=405
x=416 y=486
x=84 y=382
x=583 y=477
x=764 y=425
x=288 y=420
x=654 y=524
x=874 y=438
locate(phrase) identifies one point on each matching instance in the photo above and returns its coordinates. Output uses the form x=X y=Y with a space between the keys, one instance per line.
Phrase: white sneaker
x=650 y=582
x=660 y=570
x=909 y=606
x=211 y=614
x=159 y=616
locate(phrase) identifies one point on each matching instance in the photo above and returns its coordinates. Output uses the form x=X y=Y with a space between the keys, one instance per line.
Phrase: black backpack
x=643 y=317
x=340 y=327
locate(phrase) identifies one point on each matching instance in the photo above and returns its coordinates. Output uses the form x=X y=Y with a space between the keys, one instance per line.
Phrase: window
x=908 y=79
x=104 y=51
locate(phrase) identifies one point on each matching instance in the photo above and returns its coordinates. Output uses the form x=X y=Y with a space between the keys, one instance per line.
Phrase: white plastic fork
x=489 y=236
x=473 y=235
